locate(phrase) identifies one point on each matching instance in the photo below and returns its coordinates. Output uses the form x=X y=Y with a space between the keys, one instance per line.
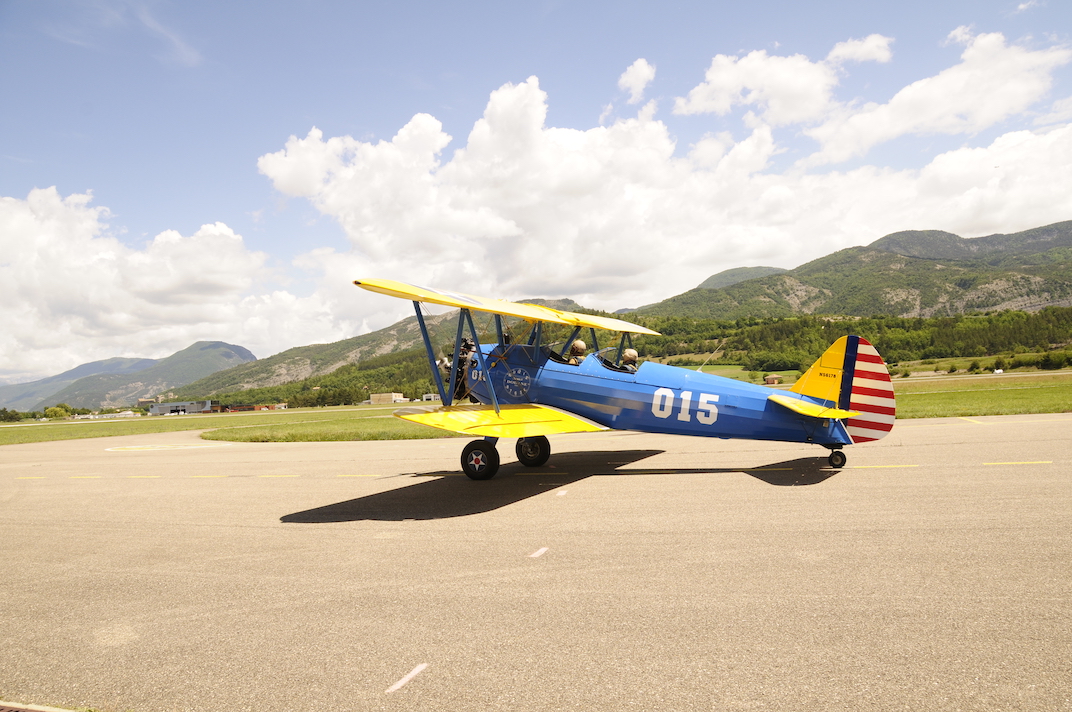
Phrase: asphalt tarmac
x=162 y=572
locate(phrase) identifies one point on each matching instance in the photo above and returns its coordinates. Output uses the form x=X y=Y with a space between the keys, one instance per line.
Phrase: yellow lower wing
x=523 y=420
x=808 y=408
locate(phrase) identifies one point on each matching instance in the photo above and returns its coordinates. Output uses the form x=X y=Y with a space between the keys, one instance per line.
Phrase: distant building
x=772 y=379
x=105 y=416
x=430 y=397
x=243 y=408
x=146 y=402
x=185 y=407
x=386 y=398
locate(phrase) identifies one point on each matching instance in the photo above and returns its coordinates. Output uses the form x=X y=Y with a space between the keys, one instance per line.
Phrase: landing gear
x=533 y=452
x=480 y=460
x=837 y=459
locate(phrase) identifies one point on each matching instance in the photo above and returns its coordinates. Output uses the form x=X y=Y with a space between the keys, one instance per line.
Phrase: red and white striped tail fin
x=870 y=391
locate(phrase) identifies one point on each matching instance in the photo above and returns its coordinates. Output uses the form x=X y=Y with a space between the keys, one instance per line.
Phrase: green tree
x=1052 y=360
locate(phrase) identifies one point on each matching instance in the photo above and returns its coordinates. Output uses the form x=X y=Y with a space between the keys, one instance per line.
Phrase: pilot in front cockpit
x=576 y=352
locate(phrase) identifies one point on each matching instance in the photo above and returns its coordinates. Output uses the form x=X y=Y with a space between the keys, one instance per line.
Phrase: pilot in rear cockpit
x=576 y=352
x=629 y=357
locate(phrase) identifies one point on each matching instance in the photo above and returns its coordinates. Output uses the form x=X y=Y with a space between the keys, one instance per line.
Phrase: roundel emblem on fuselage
x=516 y=382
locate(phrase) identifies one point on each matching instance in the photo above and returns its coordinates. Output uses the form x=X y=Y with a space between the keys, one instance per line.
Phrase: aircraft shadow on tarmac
x=451 y=494
x=791 y=473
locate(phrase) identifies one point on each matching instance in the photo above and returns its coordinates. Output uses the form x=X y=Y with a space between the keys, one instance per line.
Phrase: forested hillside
x=799 y=340
x=728 y=277
x=401 y=372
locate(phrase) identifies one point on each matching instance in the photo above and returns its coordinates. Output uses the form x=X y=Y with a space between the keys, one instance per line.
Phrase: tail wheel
x=533 y=452
x=480 y=460
x=837 y=459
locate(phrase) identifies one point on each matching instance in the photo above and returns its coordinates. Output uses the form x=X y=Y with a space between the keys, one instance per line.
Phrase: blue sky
x=162 y=112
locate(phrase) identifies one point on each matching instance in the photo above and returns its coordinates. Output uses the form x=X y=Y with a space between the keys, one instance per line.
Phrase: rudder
x=852 y=374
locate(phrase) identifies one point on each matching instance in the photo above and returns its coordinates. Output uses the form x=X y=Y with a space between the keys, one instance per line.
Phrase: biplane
x=523 y=385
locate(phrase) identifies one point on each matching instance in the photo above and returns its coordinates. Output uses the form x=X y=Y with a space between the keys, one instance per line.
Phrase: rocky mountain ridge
x=916 y=273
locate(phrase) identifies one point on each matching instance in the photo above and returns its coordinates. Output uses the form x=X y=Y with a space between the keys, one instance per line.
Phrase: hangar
x=184 y=407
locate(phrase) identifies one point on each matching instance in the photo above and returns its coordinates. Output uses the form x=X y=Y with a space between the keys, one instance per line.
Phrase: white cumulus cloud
x=873 y=48
x=993 y=81
x=783 y=90
x=70 y=293
x=636 y=78
x=612 y=217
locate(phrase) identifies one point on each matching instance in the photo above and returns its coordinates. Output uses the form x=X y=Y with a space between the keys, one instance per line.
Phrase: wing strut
x=499 y=331
x=479 y=355
x=626 y=339
x=431 y=355
x=457 y=359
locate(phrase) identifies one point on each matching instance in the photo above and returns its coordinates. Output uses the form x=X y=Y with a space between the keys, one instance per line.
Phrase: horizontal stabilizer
x=523 y=420
x=813 y=410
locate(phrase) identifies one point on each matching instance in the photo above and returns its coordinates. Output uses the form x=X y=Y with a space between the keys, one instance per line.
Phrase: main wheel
x=533 y=452
x=480 y=460
x=837 y=459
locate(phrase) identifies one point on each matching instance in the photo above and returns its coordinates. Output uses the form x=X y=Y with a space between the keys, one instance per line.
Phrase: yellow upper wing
x=529 y=312
x=522 y=420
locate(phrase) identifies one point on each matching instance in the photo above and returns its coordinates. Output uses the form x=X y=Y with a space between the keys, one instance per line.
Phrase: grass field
x=1005 y=394
x=917 y=397
x=280 y=423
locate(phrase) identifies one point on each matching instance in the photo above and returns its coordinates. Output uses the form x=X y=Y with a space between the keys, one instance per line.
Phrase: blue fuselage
x=656 y=398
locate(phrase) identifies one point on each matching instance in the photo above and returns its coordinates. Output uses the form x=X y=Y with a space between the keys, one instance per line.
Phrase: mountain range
x=120 y=382
x=24 y=396
x=915 y=273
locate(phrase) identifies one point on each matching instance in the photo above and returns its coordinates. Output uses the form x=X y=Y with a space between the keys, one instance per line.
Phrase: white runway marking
x=1033 y=462
x=413 y=673
x=562 y=492
x=538 y=553
x=141 y=448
